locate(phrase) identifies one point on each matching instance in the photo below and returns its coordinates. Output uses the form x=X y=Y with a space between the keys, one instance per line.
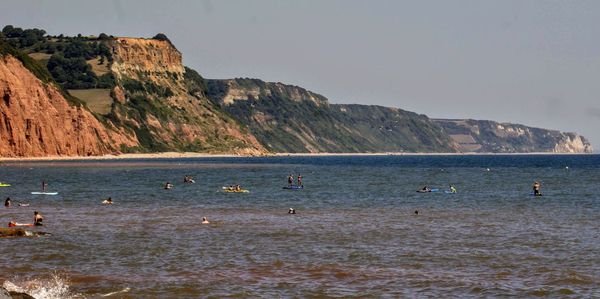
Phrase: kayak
x=4 y=185
x=237 y=191
x=44 y=193
x=294 y=187
x=430 y=190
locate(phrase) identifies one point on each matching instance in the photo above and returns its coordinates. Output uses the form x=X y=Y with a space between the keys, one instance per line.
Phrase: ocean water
x=355 y=233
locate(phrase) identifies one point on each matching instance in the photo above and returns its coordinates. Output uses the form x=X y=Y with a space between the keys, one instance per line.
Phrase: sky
x=531 y=62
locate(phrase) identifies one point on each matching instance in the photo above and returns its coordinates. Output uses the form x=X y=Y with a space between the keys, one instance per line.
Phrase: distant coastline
x=177 y=155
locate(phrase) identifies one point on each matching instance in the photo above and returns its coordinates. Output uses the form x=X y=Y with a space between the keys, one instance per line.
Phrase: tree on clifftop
x=161 y=36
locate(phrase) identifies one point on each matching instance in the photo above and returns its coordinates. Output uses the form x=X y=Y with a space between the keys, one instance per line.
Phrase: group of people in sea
x=536 y=189
x=234 y=188
x=37 y=216
x=291 y=180
x=451 y=189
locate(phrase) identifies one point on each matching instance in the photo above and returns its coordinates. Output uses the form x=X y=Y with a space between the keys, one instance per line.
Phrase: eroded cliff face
x=490 y=136
x=288 y=118
x=165 y=107
x=36 y=120
x=253 y=89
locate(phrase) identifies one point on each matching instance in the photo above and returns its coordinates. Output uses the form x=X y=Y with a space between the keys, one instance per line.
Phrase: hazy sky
x=530 y=62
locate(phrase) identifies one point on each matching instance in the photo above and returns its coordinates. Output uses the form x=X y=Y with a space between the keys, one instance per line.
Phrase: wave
x=55 y=286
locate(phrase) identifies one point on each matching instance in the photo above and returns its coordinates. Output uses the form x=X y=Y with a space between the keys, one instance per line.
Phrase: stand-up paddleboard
x=4 y=185
x=44 y=193
x=294 y=187
x=449 y=192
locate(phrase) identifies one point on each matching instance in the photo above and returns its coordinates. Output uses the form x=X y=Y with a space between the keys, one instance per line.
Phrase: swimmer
x=7 y=202
x=168 y=185
x=37 y=218
x=107 y=201
x=204 y=220
x=416 y=212
x=291 y=211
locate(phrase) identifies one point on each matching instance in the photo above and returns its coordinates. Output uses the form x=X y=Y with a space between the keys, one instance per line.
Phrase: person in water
x=168 y=185
x=292 y=211
x=7 y=202
x=37 y=218
x=425 y=189
x=299 y=180
x=452 y=189
x=204 y=220
x=238 y=188
x=536 y=189
x=44 y=184
x=107 y=201
x=290 y=180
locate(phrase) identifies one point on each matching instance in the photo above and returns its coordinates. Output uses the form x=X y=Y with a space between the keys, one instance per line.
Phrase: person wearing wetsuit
x=7 y=202
x=290 y=180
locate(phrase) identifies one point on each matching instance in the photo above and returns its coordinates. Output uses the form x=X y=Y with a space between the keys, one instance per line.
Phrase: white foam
x=55 y=287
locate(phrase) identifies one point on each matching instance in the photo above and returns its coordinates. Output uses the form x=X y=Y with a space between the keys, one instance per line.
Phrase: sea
x=360 y=229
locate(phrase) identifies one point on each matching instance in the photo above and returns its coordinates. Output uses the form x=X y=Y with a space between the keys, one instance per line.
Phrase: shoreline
x=179 y=155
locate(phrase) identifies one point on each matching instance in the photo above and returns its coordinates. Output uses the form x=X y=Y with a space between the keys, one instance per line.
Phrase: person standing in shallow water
x=7 y=202
x=536 y=189
x=299 y=180
x=290 y=180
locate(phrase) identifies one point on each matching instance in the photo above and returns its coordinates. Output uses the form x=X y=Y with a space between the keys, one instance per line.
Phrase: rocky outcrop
x=288 y=118
x=37 y=120
x=164 y=104
x=490 y=136
x=134 y=55
x=5 y=294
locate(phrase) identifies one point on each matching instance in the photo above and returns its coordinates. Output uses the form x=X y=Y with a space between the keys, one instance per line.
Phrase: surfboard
x=44 y=193
x=16 y=224
x=4 y=185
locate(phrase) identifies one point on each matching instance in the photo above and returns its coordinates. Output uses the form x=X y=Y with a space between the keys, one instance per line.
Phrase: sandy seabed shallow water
x=355 y=233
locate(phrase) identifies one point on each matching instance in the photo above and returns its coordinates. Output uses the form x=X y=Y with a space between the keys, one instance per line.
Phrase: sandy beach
x=178 y=155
